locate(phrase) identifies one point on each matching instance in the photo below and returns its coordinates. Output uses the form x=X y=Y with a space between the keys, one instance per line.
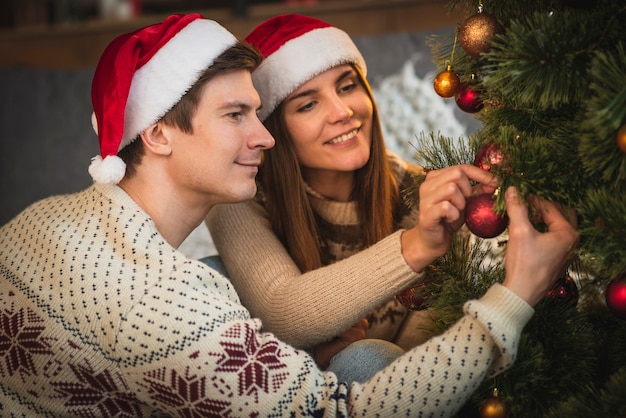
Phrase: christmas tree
x=547 y=79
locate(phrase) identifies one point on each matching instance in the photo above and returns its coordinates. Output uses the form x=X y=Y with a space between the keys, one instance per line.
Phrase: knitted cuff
x=503 y=314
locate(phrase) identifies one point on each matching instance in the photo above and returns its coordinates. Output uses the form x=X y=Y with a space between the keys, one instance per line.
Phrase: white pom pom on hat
x=141 y=75
x=296 y=48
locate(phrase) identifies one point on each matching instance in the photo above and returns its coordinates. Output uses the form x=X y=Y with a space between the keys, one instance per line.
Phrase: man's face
x=219 y=161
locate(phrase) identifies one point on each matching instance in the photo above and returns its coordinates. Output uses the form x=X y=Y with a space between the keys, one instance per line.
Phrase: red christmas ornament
x=615 y=296
x=488 y=156
x=481 y=219
x=468 y=99
x=411 y=298
x=564 y=291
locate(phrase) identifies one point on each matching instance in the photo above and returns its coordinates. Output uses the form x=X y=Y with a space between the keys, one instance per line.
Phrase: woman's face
x=329 y=119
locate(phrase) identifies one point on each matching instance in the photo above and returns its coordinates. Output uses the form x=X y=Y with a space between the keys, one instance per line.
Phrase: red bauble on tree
x=481 y=218
x=615 y=296
x=411 y=298
x=468 y=99
x=488 y=155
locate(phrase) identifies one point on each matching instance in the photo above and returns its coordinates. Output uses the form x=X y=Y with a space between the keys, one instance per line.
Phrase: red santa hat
x=141 y=76
x=297 y=48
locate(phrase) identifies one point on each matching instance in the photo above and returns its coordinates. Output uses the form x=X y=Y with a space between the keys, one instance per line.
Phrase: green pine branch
x=554 y=88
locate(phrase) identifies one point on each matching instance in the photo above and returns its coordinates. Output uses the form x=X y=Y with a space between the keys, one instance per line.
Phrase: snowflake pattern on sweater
x=100 y=317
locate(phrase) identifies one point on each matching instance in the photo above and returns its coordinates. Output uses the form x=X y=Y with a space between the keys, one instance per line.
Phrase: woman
x=328 y=240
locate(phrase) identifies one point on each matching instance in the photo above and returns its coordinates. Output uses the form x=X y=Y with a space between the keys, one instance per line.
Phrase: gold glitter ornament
x=447 y=83
x=476 y=32
x=621 y=139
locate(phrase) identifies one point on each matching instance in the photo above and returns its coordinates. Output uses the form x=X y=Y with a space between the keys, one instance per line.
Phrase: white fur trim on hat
x=164 y=80
x=299 y=60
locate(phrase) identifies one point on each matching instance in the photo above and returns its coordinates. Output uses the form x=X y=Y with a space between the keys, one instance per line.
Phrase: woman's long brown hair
x=290 y=212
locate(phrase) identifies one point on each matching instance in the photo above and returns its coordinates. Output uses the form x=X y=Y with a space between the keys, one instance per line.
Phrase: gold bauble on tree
x=476 y=32
x=447 y=83
x=494 y=407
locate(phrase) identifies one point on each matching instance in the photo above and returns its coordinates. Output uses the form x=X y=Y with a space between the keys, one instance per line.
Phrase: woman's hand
x=442 y=198
x=325 y=351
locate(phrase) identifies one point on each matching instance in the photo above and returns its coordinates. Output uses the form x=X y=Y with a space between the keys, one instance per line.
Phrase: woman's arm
x=303 y=309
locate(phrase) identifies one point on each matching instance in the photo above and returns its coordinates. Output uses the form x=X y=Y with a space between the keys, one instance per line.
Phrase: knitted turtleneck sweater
x=100 y=317
x=310 y=308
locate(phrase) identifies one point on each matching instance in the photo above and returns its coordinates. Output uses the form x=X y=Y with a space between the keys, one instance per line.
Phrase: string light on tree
x=564 y=291
x=477 y=31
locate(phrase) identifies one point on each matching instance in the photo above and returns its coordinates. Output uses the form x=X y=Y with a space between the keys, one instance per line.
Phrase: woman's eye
x=347 y=87
x=307 y=106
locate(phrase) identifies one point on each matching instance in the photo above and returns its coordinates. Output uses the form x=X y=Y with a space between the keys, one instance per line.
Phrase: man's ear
x=157 y=139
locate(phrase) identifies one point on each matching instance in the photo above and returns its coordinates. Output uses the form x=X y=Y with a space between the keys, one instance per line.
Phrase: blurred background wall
x=46 y=138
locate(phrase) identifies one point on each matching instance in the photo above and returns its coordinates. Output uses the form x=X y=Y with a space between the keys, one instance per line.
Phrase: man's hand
x=535 y=260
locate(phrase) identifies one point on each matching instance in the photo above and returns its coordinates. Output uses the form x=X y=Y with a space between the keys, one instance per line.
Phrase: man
x=100 y=315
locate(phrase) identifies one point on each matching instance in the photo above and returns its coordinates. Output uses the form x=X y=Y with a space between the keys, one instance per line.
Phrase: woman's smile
x=343 y=138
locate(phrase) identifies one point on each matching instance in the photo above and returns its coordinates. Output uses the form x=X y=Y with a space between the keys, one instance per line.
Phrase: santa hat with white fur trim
x=297 y=48
x=141 y=76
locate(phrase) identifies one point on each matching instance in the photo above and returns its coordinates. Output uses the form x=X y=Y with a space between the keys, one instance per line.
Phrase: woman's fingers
x=443 y=195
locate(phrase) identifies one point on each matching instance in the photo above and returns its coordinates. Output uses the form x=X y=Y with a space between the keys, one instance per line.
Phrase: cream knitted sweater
x=307 y=309
x=100 y=317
